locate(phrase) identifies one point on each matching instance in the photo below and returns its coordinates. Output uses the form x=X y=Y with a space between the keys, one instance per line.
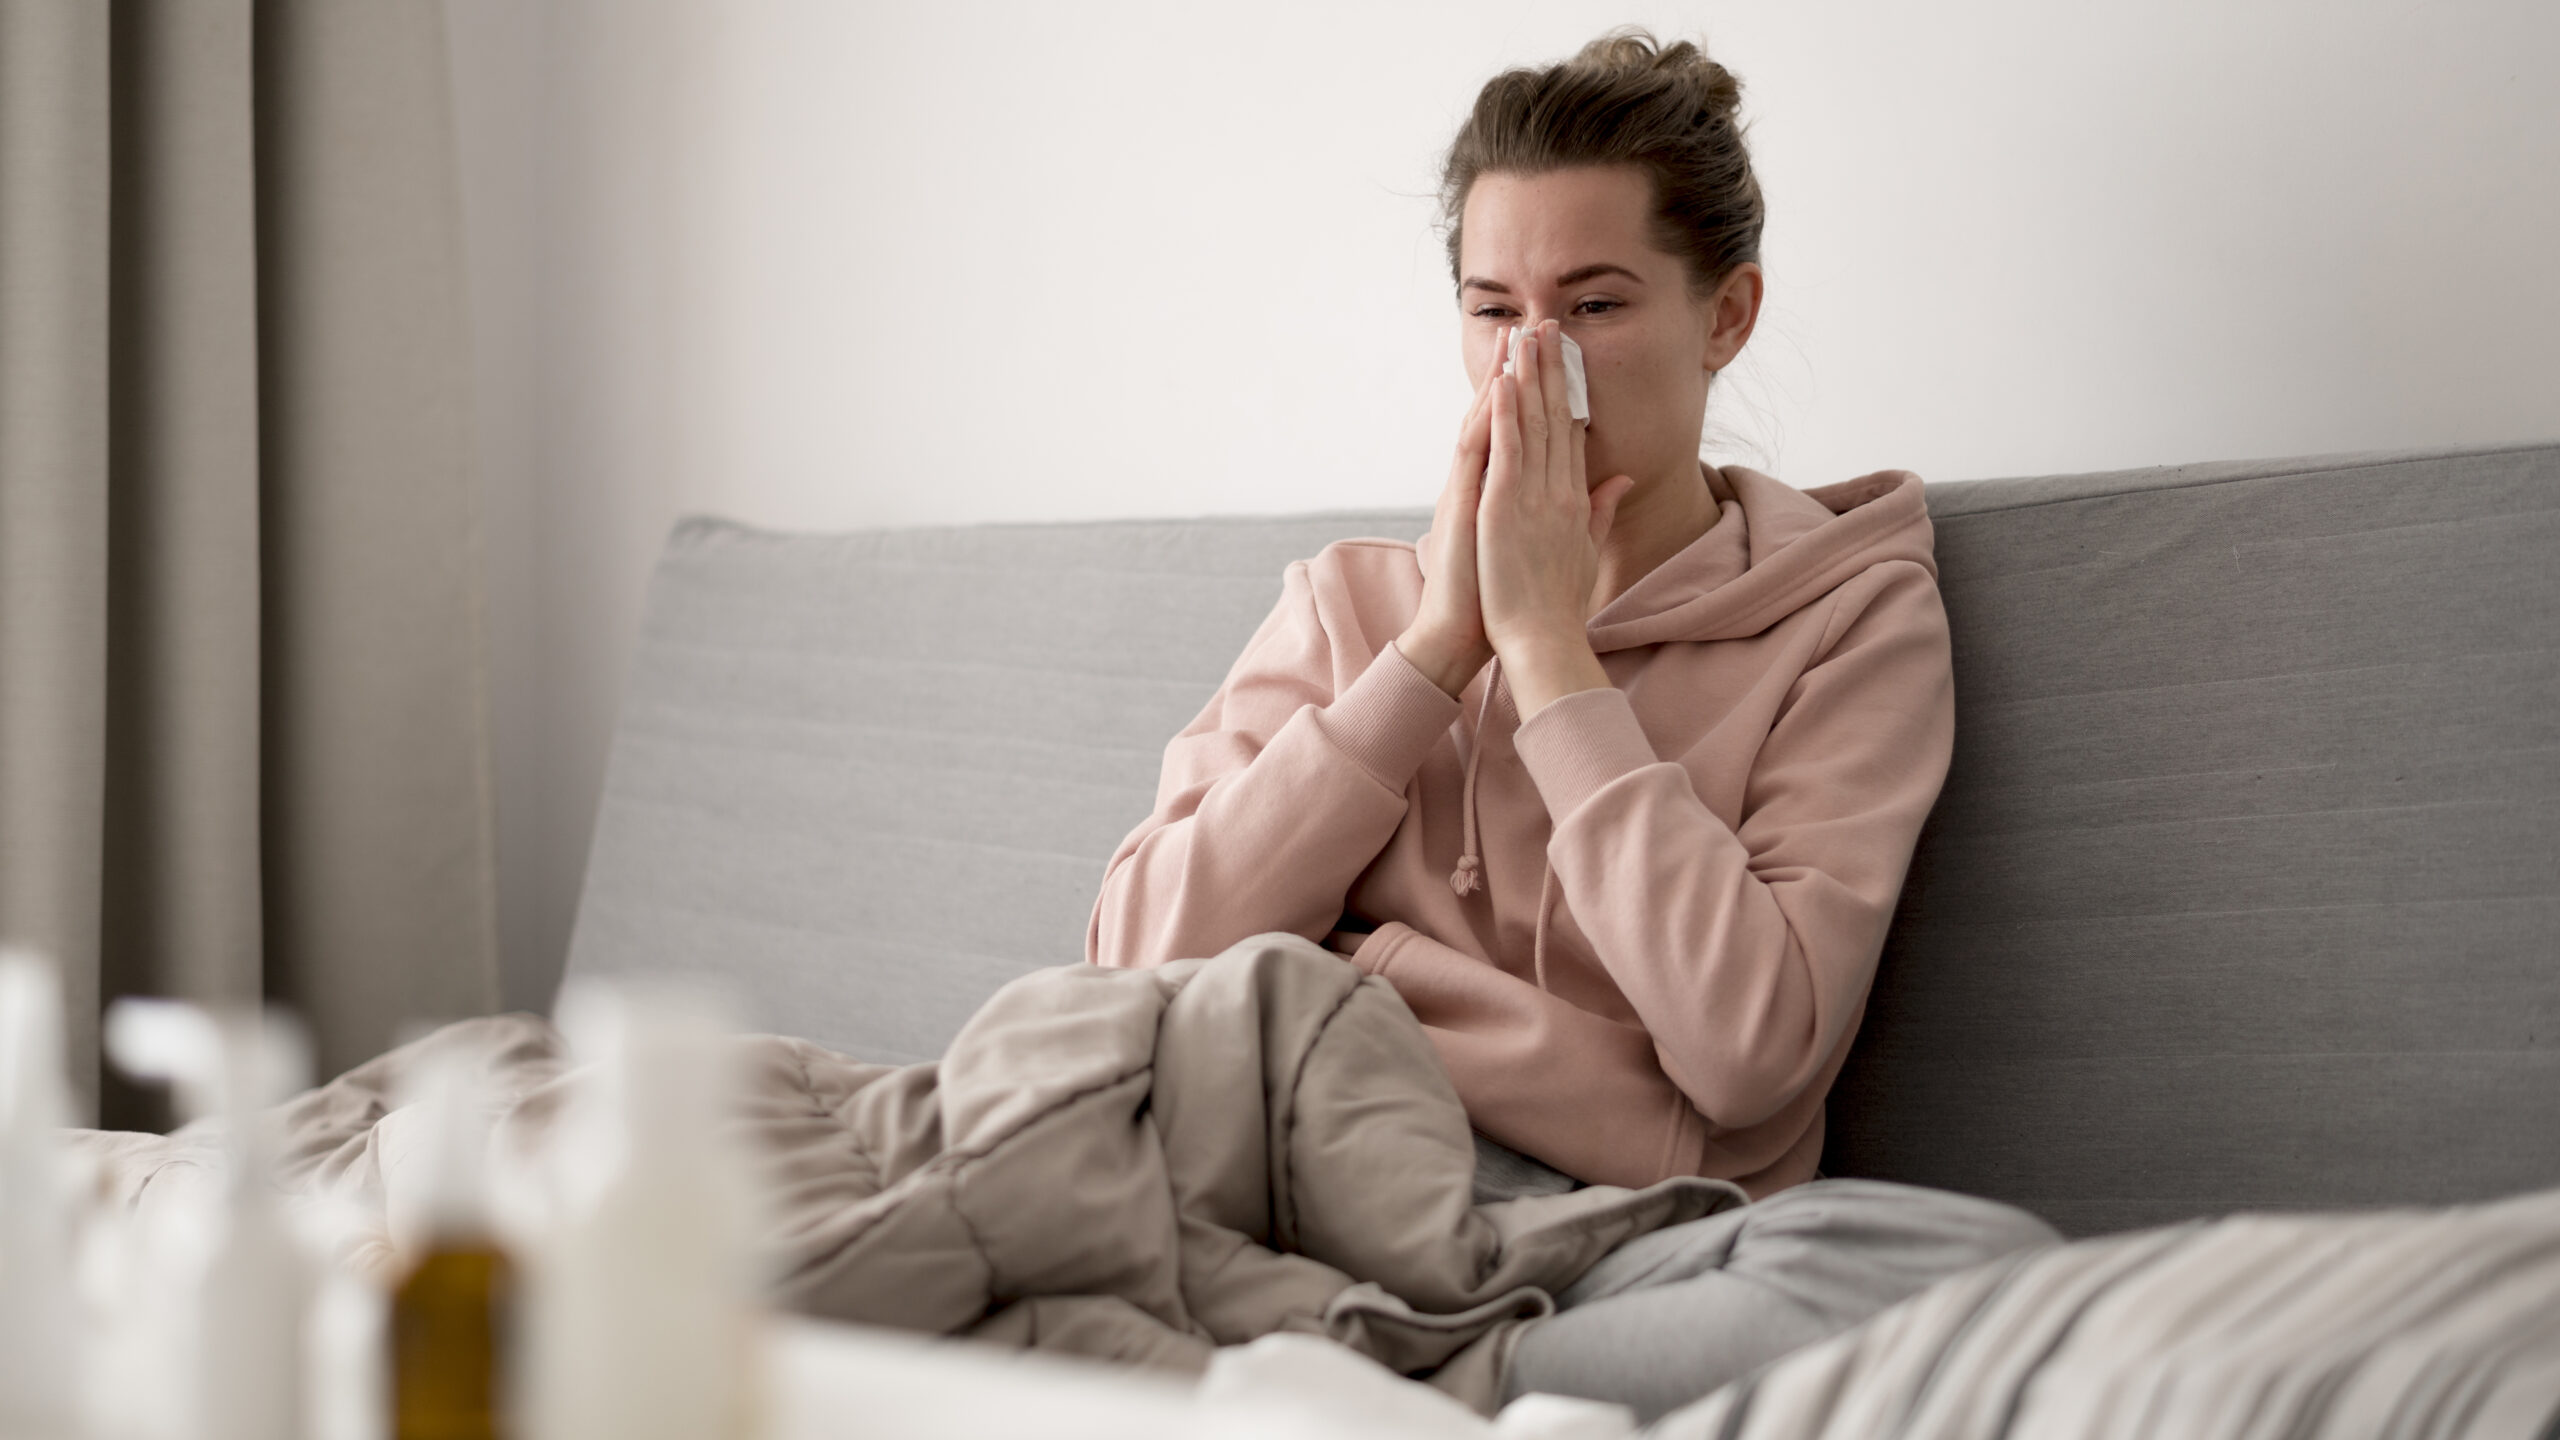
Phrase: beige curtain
x=243 y=735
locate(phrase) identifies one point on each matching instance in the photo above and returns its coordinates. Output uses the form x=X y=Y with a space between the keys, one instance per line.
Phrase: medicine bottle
x=451 y=1310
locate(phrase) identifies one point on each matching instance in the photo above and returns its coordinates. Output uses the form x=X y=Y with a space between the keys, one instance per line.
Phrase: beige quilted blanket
x=1134 y=1164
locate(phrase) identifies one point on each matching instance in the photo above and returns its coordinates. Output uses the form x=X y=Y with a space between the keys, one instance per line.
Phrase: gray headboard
x=2244 y=889
x=867 y=778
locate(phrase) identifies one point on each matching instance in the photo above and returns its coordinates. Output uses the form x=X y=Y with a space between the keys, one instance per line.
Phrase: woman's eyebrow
x=1570 y=277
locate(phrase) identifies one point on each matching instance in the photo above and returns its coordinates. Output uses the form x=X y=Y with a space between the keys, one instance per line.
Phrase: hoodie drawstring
x=1469 y=876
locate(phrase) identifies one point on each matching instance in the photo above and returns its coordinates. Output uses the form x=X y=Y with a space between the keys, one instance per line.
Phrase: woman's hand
x=1539 y=532
x=1446 y=640
x=1539 y=527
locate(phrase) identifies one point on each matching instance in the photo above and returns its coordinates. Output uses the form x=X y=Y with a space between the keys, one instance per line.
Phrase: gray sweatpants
x=1669 y=1316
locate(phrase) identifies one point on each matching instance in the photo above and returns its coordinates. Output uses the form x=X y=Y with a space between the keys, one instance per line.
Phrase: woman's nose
x=1529 y=321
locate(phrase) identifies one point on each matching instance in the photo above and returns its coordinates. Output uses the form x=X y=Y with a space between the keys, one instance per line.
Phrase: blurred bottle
x=449 y=1322
x=240 y=1277
x=39 y=1333
x=642 y=1319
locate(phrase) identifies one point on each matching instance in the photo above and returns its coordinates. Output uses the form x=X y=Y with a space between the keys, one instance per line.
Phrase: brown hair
x=1624 y=100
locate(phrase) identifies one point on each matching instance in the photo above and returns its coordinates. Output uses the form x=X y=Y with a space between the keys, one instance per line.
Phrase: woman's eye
x=1491 y=311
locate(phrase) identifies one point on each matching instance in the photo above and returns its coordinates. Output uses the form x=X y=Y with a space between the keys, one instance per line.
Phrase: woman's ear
x=1734 y=313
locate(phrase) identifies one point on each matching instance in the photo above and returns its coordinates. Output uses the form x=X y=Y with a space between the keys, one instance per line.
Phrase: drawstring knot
x=1467 y=877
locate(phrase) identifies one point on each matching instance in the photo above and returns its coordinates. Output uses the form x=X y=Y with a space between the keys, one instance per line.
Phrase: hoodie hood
x=1773 y=550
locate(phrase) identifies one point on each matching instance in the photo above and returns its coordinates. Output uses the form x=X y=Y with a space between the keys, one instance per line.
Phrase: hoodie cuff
x=1389 y=718
x=1580 y=742
x=1377 y=948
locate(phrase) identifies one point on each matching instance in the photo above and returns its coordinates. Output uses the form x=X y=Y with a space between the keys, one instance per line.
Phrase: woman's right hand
x=1446 y=640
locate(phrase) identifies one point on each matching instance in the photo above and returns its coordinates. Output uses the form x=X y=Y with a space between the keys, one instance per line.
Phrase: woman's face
x=1574 y=245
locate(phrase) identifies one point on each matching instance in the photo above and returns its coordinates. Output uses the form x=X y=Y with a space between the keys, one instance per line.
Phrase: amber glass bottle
x=449 y=1339
x=449 y=1322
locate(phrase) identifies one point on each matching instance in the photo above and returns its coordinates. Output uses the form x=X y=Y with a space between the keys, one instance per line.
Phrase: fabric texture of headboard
x=861 y=780
x=2244 y=888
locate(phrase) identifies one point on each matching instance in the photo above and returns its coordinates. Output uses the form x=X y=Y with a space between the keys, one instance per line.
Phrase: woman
x=1616 y=783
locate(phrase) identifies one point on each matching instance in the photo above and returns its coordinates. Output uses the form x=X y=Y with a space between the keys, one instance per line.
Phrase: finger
x=1531 y=411
x=1578 y=454
x=1474 y=434
x=1559 y=406
x=1475 y=443
x=1492 y=374
x=1483 y=404
x=1471 y=426
x=1502 y=460
x=1604 y=504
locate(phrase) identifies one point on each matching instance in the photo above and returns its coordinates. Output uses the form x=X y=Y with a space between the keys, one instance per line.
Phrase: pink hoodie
x=1640 y=928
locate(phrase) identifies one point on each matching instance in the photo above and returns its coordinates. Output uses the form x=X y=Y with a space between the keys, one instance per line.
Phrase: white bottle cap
x=449 y=1146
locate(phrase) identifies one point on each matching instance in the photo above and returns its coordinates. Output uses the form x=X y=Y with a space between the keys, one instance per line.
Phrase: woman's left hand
x=1539 y=527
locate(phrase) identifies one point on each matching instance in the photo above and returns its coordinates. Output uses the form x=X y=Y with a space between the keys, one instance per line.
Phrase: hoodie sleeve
x=1747 y=951
x=1274 y=799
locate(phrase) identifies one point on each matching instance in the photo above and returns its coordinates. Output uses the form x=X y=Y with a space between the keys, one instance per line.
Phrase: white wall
x=827 y=265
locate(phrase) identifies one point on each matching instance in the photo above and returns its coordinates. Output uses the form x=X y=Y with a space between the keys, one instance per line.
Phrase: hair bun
x=1632 y=47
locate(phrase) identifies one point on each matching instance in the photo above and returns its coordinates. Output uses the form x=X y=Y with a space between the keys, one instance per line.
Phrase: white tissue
x=1577 y=390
